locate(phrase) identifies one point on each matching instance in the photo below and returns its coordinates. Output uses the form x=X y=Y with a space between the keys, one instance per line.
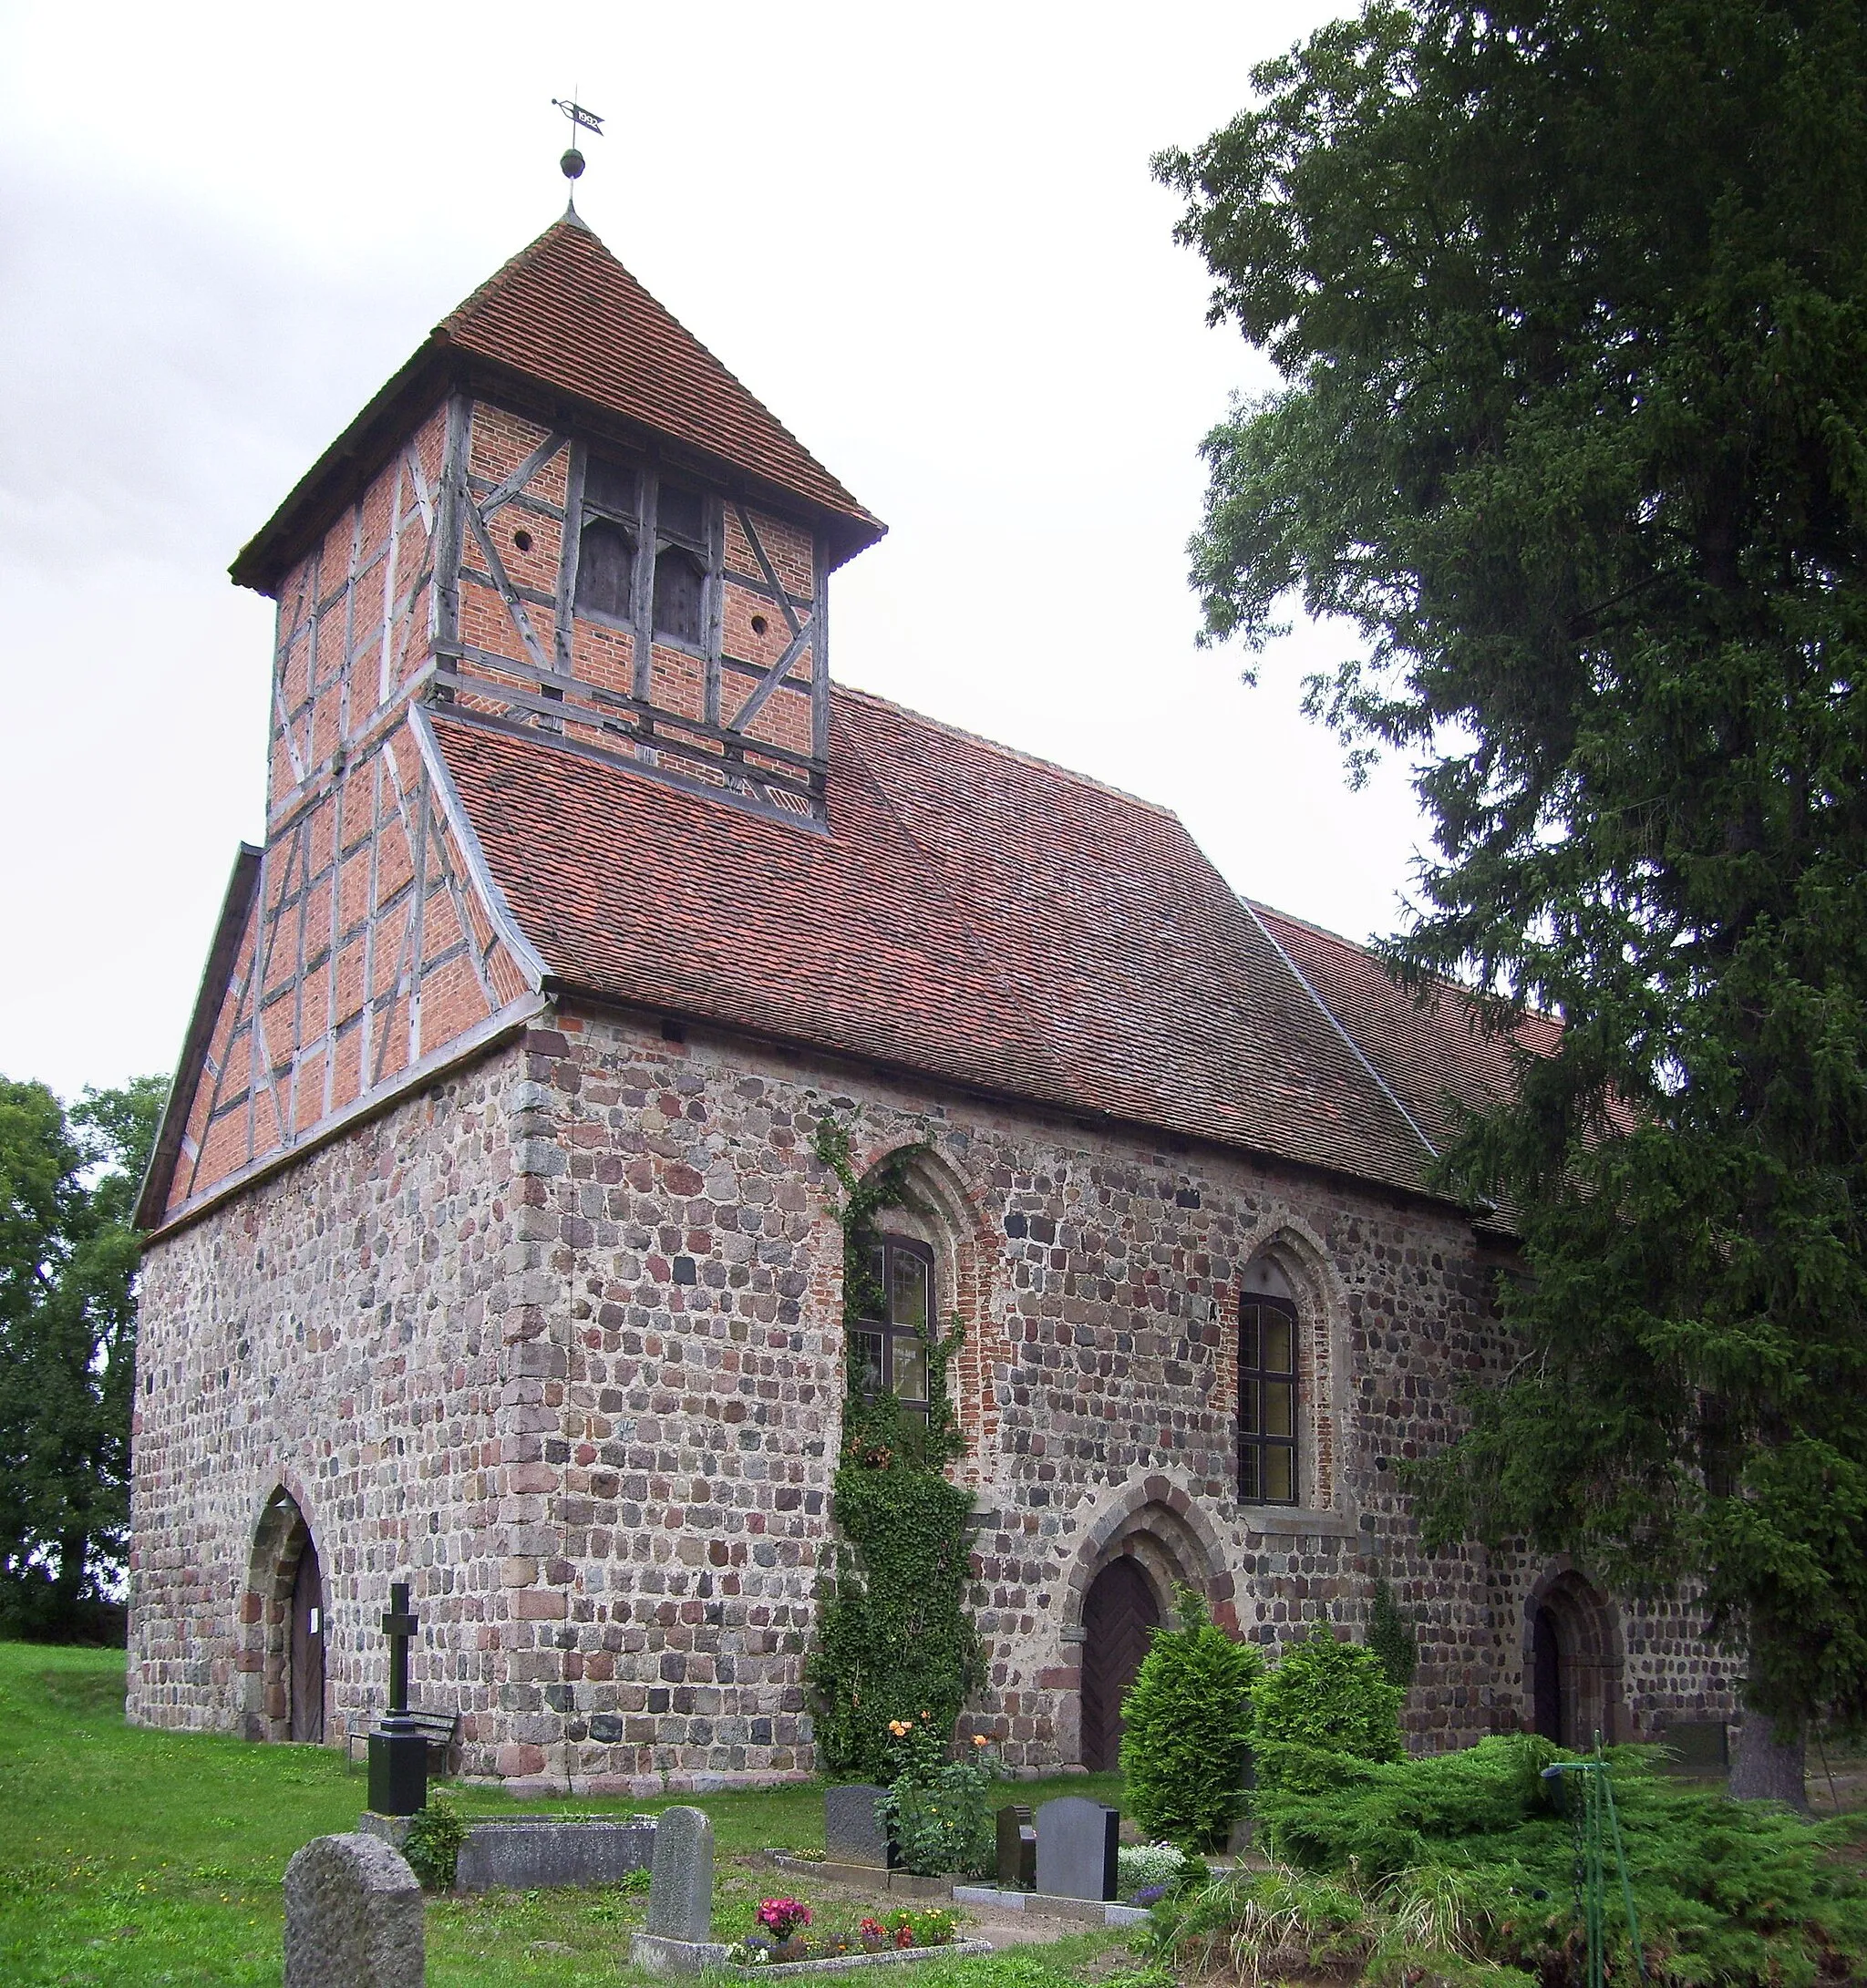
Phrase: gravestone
x=1699 y=1749
x=680 y=1898
x=853 y=1832
x=516 y=1853
x=353 y=1916
x=1017 y=1850
x=1077 y=1841
x=398 y=1747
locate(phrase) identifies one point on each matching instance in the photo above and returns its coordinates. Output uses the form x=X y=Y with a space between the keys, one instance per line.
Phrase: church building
x=488 y=1246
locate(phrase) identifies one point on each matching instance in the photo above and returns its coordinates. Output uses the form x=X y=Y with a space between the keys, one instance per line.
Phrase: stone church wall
x=335 y=1331
x=562 y=1342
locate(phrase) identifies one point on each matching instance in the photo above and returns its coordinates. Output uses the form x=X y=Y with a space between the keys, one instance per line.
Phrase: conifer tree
x=1569 y=300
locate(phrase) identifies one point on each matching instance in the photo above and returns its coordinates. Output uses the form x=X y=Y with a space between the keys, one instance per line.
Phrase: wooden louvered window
x=1267 y=1402
x=607 y=539
x=892 y=1344
x=680 y=565
x=680 y=596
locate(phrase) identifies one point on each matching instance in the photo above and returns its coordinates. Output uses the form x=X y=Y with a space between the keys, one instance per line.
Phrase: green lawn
x=135 y=1857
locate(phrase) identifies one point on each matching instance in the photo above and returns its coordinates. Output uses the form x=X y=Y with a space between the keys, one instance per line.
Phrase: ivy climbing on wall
x=894 y=1640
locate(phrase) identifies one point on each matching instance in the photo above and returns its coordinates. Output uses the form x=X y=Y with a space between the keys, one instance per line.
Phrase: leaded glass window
x=892 y=1347
x=1267 y=1402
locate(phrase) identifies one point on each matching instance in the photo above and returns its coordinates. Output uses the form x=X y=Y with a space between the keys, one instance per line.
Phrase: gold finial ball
x=572 y=164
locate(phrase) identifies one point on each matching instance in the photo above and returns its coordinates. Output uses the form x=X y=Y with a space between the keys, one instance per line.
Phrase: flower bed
x=780 y=1938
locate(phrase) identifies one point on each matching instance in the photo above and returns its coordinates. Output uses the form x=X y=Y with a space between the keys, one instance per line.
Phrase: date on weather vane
x=572 y=164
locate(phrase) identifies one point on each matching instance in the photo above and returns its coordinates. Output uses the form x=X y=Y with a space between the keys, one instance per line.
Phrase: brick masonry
x=558 y=1340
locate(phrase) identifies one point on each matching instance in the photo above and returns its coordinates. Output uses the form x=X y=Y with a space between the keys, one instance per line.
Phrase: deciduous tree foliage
x=1568 y=305
x=68 y=1344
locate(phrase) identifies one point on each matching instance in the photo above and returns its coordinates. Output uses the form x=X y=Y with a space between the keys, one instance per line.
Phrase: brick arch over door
x=282 y=1540
x=944 y=1210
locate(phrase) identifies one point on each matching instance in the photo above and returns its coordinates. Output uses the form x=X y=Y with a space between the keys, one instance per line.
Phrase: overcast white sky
x=925 y=237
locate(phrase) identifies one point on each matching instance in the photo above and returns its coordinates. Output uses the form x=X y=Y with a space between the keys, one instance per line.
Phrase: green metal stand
x=1586 y=1793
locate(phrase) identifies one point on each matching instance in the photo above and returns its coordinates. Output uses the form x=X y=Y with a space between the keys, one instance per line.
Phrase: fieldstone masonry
x=559 y=1341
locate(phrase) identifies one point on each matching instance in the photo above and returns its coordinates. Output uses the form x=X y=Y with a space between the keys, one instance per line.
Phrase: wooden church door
x=308 y=1648
x=1546 y=1679
x=1118 y=1614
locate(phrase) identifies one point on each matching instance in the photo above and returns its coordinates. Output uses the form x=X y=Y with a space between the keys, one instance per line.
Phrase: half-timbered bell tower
x=563 y=517
x=614 y=541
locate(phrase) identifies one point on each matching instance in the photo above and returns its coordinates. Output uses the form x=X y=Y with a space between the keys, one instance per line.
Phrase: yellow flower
x=979 y=1739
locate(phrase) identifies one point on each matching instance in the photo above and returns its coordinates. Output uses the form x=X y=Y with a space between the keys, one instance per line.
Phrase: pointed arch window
x=892 y=1343
x=1267 y=1401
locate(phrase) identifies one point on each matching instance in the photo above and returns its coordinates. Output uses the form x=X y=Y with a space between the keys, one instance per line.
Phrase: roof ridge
x=1443 y=982
x=1003 y=751
x=1335 y=1022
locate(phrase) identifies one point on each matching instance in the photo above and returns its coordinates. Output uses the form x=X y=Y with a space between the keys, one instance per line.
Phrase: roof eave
x=437 y=366
x=152 y=1197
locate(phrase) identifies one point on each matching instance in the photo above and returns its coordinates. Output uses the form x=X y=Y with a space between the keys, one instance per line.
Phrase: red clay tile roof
x=972 y=913
x=564 y=315
x=1422 y=1053
x=565 y=311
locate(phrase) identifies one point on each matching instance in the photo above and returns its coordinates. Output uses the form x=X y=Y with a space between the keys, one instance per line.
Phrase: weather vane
x=572 y=164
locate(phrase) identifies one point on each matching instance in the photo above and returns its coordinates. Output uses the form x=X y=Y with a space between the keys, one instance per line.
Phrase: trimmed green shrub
x=1466 y=1849
x=435 y=1837
x=1328 y=1694
x=1188 y=1717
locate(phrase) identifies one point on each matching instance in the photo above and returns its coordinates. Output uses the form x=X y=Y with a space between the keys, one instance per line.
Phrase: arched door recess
x=1119 y=1615
x=1572 y=1661
x=286 y=1629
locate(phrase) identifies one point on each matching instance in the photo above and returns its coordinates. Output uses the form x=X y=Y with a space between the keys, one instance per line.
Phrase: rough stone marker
x=1076 y=1849
x=853 y=1832
x=353 y=1916
x=1017 y=1848
x=680 y=1898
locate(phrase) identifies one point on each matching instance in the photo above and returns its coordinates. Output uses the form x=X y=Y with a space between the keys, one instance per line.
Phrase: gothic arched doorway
x=1573 y=1653
x=286 y=1627
x=1119 y=1615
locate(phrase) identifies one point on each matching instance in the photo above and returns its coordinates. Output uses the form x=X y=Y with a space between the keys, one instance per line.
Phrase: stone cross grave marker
x=353 y=1916
x=398 y=1748
x=1017 y=1850
x=853 y=1832
x=1076 y=1849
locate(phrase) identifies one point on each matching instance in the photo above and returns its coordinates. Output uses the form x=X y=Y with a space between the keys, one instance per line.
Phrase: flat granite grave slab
x=843 y=1963
x=531 y=1851
x=863 y=1877
x=1048 y=1905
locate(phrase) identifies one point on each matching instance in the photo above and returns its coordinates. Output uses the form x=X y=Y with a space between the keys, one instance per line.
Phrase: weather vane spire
x=572 y=164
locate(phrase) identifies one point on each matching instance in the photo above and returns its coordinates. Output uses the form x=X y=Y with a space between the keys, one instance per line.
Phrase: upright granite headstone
x=1017 y=1850
x=680 y=1898
x=1077 y=1842
x=853 y=1832
x=353 y=1916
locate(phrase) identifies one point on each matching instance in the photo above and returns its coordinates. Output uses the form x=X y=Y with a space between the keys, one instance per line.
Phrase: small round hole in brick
x=522 y=539
x=760 y=624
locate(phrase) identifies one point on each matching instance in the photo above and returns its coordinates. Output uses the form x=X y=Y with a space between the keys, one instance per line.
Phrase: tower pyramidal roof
x=565 y=330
